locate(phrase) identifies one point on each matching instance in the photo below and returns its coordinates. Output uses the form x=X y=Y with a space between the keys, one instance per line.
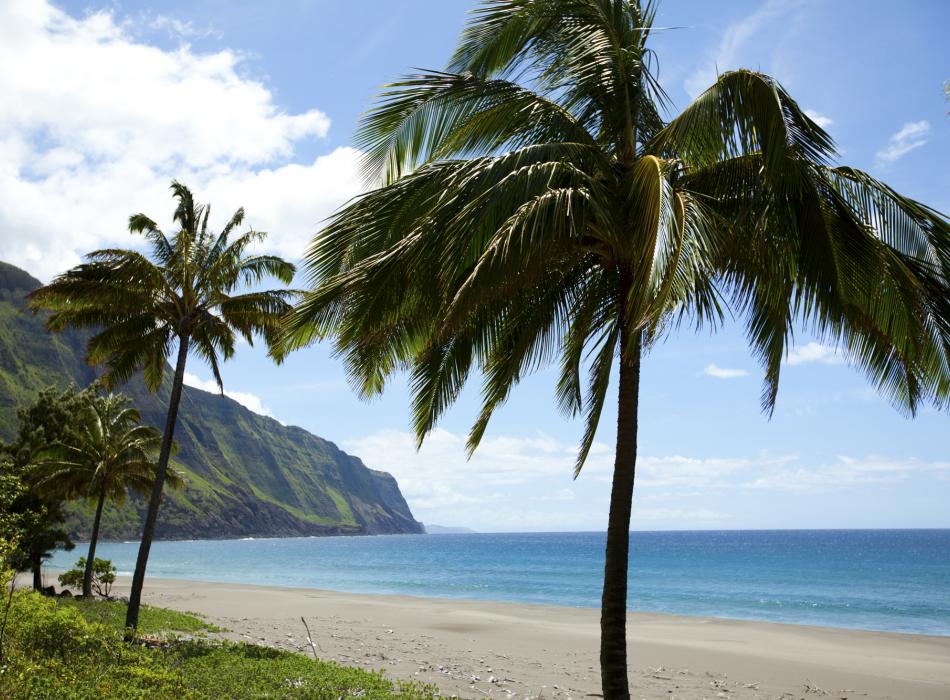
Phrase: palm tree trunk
x=148 y=528
x=91 y=555
x=613 y=612
x=36 y=564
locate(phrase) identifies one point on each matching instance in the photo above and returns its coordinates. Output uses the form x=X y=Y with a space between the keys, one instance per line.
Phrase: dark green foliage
x=11 y=488
x=50 y=418
x=107 y=454
x=103 y=576
x=247 y=474
x=48 y=421
x=67 y=650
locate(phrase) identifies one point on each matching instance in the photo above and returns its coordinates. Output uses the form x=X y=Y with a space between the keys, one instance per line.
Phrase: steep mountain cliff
x=247 y=474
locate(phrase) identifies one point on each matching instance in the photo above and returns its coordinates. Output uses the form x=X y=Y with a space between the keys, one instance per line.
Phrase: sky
x=105 y=102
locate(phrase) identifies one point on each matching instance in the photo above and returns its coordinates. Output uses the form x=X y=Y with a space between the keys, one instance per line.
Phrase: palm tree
x=112 y=454
x=139 y=306
x=532 y=205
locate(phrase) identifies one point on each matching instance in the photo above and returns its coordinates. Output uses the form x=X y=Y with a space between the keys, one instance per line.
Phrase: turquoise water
x=896 y=580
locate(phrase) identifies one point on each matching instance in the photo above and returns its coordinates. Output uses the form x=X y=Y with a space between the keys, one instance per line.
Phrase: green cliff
x=247 y=474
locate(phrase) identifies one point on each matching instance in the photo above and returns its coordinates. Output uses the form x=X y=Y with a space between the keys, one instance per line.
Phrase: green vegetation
x=70 y=444
x=96 y=577
x=64 y=650
x=246 y=474
x=153 y=622
x=137 y=307
x=107 y=453
x=37 y=518
x=537 y=207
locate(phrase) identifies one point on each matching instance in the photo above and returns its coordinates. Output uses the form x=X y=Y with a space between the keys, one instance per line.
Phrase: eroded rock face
x=248 y=475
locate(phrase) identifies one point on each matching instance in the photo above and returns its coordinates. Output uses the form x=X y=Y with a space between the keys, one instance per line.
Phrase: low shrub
x=40 y=627
x=103 y=576
x=60 y=649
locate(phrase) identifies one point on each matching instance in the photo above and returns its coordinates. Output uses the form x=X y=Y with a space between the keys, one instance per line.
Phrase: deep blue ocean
x=897 y=580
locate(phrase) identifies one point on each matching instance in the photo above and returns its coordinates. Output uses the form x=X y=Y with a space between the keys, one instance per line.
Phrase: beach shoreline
x=51 y=573
x=476 y=648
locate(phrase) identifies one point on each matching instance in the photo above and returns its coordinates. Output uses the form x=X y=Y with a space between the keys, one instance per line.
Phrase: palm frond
x=530 y=206
x=745 y=113
x=437 y=115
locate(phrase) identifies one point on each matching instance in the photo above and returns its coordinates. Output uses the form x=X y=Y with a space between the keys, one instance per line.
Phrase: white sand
x=534 y=651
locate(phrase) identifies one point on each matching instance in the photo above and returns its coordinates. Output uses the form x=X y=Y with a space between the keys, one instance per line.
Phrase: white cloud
x=101 y=121
x=525 y=483
x=694 y=472
x=441 y=485
x=713 y=370
x=911 y=136
x=289 y=202
x=820 y=119
x=848 y=472
x=726 y=53
x=499 y=461
x=246 y=399
x=813 y=352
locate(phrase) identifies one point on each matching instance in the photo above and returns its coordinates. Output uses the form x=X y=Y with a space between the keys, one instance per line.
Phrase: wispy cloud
x=246 y=399
x=179 y=29
x=736 y=35
x=911 y=136
x=685 y=472
x=499 y=461
x=523 y=483
x=442 y=485
x=714 y=370
x=813 y=352
x=847 y=472
x=820 y=119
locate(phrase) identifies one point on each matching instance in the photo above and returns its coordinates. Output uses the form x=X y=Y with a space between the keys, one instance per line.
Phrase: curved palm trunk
x=613 y=613
x=148 y=528
x=91 y=555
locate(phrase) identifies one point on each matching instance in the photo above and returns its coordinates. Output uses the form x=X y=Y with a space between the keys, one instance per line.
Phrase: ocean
x=893 y=580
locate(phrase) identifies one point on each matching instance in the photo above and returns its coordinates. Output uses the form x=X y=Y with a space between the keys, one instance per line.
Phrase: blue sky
x=106 y=102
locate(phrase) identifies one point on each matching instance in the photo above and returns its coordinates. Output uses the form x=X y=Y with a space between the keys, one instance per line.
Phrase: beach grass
x=153 y=621
x=67 y=649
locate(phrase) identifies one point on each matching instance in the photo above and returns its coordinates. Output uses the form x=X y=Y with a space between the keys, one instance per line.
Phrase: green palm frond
x=744 y=112
x=109 y=453
x=535 y=208
x=531 y=207
x=192 y=285
x=435 y=115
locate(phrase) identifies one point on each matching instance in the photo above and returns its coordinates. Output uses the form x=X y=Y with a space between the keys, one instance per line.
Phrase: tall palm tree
x=139 y=305
x=532 y=205
x=111 y=454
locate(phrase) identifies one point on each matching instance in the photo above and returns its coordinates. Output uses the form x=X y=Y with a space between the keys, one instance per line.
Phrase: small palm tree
x=139 y=306
x=111 y=454
x=532 y=204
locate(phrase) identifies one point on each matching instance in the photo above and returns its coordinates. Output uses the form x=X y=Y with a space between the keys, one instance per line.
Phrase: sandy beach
x=478 y=649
